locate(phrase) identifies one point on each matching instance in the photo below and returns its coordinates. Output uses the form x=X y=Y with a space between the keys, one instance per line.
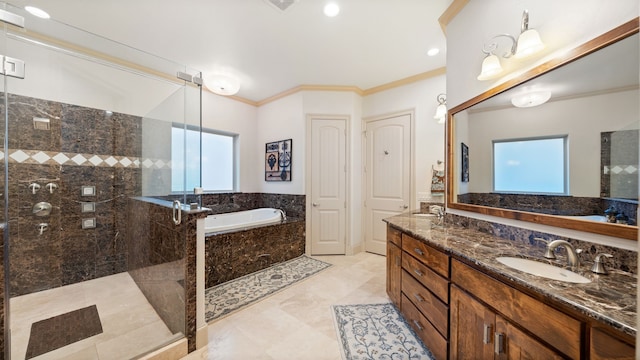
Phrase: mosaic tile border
x=39 y=157
x=617 y=169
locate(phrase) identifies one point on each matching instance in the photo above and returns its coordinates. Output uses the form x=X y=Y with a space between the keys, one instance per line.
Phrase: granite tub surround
x=162 y=261
x=609 y=299
x=220 y=203
x=231 y=255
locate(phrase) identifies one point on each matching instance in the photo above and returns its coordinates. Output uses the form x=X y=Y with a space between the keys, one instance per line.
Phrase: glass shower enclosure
x=86 y=131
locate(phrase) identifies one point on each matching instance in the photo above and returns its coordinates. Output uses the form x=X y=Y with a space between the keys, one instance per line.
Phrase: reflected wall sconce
x=441 y=110
x=527 y=43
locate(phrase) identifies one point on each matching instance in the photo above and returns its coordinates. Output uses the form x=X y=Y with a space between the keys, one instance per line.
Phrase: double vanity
x=459 y=294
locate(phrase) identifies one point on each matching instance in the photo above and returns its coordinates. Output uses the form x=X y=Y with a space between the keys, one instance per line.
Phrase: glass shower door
x=83 y=146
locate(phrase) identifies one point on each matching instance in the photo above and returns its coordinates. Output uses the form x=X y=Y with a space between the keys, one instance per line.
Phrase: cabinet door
x=517 y=345
x=604 y=346
x=472 y=327
x=394 y=272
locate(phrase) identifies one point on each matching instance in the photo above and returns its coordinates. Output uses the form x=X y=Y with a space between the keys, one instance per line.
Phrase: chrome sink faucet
x=572 y=255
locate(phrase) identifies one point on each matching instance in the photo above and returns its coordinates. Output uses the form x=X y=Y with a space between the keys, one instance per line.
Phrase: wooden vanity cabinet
x=425 y=293
x=477 y=332
x=461 y=312
x=394 y=265
x=549 y=333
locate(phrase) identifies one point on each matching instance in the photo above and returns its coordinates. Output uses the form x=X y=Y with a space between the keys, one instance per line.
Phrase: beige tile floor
x=130 y=325
x=297 y=322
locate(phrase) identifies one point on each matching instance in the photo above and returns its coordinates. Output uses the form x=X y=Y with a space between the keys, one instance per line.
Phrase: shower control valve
x=51 y=187
x=34 y=188
x=42 y=209
x=42 y=227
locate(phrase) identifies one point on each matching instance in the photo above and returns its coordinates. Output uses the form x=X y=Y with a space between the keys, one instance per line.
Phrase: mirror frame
x=617 y=230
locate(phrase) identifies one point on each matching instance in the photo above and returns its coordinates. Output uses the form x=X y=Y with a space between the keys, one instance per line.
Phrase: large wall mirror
x=569 y=162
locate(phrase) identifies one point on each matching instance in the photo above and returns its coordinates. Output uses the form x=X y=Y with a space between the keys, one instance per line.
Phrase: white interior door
x=328 y=186
x=387 y=176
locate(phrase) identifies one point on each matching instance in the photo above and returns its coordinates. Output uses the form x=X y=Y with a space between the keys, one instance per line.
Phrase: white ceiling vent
x=281 y=5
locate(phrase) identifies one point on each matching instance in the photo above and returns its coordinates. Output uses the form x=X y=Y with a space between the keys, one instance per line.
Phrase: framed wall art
x=277 y=160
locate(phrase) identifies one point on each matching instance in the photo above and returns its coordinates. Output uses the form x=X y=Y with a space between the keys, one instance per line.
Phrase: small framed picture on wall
x=277 y=160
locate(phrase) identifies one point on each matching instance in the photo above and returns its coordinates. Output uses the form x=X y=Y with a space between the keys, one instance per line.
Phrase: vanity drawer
x=435 y=259
x=394 y=235
x=427 y=277
x=423 y=328
x=556 y=328
x=429 y=305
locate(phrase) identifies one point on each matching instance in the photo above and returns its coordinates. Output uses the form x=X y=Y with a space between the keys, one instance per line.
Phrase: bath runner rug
x=376 y=331
x=232 y=295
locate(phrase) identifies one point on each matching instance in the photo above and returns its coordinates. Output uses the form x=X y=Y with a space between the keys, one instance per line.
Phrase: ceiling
x=370 y=43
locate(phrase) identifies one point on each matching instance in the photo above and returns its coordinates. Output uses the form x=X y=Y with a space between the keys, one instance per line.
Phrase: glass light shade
x=528 y=43
x=531 y=99
x=442 y=119
x=37 y=12
x=490 y=67
x=222 y=84
x=441 y=112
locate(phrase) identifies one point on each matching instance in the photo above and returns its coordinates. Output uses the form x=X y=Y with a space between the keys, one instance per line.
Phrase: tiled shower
x=86 y=134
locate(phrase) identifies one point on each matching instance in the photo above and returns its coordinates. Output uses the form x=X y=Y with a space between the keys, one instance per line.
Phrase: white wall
x=280 y=120
x=589 y=117
x=224 y=114
x=429 y=135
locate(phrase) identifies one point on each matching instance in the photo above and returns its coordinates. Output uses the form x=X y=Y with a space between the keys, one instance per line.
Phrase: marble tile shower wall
x=623 y=260
x=84 y=147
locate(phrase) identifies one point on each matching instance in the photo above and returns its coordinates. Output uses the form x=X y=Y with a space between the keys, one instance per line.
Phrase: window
x=530 y=165
x=218 y=160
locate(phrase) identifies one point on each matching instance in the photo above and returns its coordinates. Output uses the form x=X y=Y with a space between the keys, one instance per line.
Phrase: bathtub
x=242 y=219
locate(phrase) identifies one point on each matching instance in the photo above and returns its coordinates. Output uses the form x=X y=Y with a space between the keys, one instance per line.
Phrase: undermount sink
x=541 y=269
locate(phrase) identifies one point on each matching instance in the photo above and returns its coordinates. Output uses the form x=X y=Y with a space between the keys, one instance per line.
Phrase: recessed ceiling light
x=433 y=52
x=331 y=9
x=37 y=12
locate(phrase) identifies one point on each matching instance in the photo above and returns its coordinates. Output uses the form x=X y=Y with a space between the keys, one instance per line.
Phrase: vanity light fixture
x=37 y=12
x=222 y=84
x=528 y=43
x=441 y=110
x=531 y=99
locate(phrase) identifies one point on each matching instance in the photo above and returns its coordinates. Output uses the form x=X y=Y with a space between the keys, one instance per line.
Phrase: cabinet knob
x=418 y=297
x=418 y=251
x=418 y=272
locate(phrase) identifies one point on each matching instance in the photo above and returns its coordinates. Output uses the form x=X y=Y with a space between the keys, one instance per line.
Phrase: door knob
x=315 y=204
x=405 y=206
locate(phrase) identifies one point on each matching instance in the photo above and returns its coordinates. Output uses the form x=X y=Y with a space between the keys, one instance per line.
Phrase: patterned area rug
x=376 y=331
x=225 y=298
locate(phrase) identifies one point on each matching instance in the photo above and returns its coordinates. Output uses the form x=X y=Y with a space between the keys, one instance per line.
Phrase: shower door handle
x=177 y=212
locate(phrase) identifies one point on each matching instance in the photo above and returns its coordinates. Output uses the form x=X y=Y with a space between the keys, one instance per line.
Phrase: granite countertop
x=609 y=299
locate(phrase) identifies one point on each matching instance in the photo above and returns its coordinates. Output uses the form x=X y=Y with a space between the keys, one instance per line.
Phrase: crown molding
x=451 y=12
